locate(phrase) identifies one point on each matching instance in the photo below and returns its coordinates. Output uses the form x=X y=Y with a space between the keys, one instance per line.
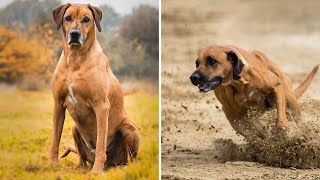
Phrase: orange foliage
x=28 y=53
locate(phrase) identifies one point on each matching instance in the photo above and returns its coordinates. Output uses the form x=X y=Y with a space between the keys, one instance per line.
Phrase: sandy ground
x=197 y=140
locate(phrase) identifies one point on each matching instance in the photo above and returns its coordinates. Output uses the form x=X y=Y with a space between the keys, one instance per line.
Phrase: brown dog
x=84 y=84
x=247 y=84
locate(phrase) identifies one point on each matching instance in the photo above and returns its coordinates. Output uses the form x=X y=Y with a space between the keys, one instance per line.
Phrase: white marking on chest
x=249 y=96
x=252 y=93
x=72 y=99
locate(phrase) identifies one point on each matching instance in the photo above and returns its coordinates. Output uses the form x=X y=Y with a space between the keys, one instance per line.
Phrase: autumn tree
x=22 y=55
x=21 y=14
x=142 y=26
x=110 y=20
x=129 y=59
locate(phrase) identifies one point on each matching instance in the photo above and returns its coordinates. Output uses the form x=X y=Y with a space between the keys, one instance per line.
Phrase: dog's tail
x=303 y=86
x=69 y=149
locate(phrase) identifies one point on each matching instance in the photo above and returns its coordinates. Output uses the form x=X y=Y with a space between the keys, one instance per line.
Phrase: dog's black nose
x=75 y=33
x=195 y=77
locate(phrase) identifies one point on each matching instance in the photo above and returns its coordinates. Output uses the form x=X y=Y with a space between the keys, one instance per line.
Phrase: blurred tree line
x=30 y=46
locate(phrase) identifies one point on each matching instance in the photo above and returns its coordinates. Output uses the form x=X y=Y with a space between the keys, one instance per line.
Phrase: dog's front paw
x=54 y=161
x=97 y=167
x=283 y=124
x=284 y=128
x=96 y=170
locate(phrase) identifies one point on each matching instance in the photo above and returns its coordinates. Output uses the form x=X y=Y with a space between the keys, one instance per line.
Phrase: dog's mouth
x=210 y=85
x=74 y=43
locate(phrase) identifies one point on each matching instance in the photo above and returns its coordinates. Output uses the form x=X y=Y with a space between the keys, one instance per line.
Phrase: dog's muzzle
x=204 y=86
x=74 y=38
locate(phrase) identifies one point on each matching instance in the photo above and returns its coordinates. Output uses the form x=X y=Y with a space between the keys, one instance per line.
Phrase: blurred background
x=30 y=45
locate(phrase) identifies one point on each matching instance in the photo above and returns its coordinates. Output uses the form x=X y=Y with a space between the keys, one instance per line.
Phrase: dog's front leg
x=58 y=121
x=102 y=113
x=282 y=121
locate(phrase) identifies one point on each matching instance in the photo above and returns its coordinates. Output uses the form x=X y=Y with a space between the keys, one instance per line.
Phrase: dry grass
x=25 y=128
x=131 y=87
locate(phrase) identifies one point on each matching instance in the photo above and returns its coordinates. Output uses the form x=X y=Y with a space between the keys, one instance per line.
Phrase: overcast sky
x=121 y=6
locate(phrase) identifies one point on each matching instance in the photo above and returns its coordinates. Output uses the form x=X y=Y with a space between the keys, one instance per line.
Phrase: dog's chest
x=75 y=88
x=250 y=98
x=71 y=97
x=76 y=103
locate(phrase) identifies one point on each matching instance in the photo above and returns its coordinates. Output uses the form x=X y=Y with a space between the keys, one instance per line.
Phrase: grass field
x=25 y=136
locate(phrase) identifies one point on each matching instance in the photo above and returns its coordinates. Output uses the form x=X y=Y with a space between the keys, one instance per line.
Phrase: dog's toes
x=281 y=133
x=96 y=171
x=284 y=124
x=54 y=161
x=284 y=128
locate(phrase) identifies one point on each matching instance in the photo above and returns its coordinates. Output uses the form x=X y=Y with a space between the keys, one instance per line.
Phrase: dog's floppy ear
x=237 y=64
x=97 y=15
x=58 y=13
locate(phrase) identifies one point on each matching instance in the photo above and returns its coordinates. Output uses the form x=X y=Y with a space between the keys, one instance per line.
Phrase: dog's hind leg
x=282 y=121
x=293 y=105
x=131 y=137
x=84 y=153
x=117 y=152
x=125 y=142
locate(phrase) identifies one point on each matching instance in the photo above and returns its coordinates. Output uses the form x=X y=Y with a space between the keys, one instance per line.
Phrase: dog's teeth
x=202 y=86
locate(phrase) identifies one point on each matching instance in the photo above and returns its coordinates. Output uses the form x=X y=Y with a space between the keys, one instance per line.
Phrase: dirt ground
x=197 y=140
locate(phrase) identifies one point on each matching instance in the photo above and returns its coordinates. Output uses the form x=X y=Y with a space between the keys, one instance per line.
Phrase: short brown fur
x=84 y=84
x=261 y=86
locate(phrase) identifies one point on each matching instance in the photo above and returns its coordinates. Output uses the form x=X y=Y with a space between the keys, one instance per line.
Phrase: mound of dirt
x=298 y=149
x=294 y=152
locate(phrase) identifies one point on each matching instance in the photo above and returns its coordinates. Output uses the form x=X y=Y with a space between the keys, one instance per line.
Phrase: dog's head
x=77 y=22
x=216 y=65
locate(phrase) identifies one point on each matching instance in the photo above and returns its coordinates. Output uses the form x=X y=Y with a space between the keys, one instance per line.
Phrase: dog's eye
x=211 y=61
x=85 y=19
x=197 y=63
x=69 y=18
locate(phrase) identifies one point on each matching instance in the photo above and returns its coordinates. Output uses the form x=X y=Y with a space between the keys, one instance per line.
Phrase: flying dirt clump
x=300 y=149
x=298 y=152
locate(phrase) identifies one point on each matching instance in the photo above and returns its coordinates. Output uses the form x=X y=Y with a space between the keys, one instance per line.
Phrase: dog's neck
x=77 y=55
x=240 y=83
